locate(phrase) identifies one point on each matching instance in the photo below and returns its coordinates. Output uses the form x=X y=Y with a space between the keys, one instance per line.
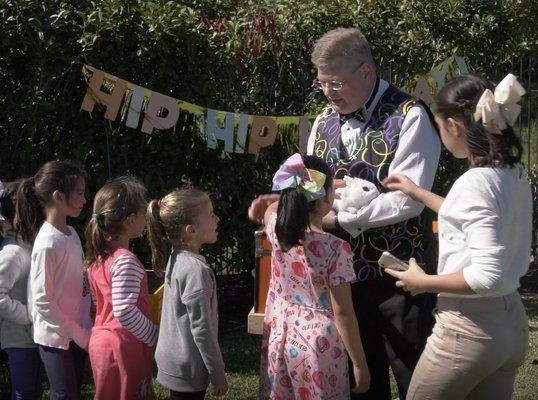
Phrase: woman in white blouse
x=481 y=333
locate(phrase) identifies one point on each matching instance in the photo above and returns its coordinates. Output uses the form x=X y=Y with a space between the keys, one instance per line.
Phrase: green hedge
x=247 y=56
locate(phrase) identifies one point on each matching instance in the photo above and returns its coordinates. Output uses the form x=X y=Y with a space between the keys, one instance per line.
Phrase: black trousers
x=394 y=327
x=65 y=370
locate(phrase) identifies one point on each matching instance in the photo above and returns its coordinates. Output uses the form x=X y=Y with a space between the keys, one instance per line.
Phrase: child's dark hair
x=458 y=99
x=113 y=203
x=167 y=219
x=7 y=201
x=293 y=214
x=35 y=193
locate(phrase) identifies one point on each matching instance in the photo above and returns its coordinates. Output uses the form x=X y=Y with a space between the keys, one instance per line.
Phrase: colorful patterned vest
x=370 y=161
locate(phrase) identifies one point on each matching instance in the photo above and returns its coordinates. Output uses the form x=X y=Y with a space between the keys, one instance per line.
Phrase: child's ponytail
x=292 y=218
x=158 y=239
x=167 y=219
x=36 y=192
x=296 y=203
x=96 y=243
x=29 y=214
x=113 y=203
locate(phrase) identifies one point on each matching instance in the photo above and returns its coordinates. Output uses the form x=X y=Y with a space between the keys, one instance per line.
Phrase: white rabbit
x=356 y=194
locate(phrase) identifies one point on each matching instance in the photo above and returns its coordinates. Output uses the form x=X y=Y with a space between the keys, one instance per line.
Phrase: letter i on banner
x=214 y=130
x=135 y=107
x=242 y=131
x=152 y=119
x=111 y=101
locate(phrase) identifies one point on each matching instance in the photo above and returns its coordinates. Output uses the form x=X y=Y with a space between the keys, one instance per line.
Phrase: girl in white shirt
x=58 y=288
x=485 y=227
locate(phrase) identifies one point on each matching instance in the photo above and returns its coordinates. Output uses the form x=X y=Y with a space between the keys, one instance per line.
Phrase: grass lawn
x=241 y=353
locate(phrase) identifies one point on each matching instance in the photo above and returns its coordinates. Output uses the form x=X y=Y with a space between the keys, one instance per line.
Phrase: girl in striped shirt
x=123 y=336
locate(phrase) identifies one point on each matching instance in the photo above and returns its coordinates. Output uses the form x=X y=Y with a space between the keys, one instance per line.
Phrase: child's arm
x=44 y=290
x=258 y=207
x=127 y=274
x=198 y=303
x=348 y=327
x=273 y=207
x=404 y=184
x=10 y=309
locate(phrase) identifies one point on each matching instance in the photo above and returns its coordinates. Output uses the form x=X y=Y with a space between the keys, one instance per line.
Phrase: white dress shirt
x=485 y=229
x=417 y=157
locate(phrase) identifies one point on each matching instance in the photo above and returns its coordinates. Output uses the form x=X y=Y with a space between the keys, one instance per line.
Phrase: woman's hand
x=400 y=182
x=411 y=280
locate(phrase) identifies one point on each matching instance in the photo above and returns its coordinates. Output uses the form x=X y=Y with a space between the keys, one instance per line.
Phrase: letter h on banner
x=215 y=132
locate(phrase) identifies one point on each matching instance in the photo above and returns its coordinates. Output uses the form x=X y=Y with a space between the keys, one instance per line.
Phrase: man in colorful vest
x=371 y=129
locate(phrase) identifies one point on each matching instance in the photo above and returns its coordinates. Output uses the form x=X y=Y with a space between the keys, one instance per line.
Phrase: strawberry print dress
x=302 y=355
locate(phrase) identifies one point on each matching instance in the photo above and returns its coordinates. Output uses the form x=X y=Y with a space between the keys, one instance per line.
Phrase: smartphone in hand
x=387 y=260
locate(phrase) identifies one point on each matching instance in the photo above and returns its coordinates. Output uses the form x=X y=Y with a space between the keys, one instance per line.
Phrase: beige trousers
x=474 y=351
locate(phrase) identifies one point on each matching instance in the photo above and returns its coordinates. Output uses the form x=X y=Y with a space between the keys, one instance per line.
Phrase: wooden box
x=262 y=275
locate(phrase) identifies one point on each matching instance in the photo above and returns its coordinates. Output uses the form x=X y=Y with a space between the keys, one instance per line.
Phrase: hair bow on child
x=499 y=109
x=293 y=173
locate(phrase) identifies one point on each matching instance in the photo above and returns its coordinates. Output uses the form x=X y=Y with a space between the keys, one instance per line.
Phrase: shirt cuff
x=348 y=222
x=218 y=377
x=474 y=283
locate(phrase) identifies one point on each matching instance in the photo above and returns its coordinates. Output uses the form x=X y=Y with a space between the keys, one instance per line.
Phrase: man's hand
x=337 y=184
x=328 y=221
x=257 y=208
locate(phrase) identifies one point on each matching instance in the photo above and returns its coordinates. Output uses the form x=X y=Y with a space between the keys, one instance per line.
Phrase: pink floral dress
x=302 y=355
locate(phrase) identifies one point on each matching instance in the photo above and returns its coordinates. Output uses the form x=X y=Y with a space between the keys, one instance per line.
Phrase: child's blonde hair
x=113 y=203
x=167 y=219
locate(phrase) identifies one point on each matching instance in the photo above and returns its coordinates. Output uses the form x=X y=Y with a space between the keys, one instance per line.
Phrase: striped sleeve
x=127 y=274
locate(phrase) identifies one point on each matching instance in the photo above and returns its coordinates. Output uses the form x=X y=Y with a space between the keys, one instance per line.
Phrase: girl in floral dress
x=309 y=319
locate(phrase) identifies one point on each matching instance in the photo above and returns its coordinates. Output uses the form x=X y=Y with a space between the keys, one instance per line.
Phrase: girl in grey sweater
x=188 y=354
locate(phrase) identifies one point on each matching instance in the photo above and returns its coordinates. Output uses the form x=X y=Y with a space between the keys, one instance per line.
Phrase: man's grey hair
x=342 y=46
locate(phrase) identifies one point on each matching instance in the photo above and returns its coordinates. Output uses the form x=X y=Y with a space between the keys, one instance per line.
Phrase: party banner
x=240 y=133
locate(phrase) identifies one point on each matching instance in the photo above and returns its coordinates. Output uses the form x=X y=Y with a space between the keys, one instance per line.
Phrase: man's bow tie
x=358 y=115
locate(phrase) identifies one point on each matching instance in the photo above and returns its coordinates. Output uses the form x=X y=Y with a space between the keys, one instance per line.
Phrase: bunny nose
x=366 y=189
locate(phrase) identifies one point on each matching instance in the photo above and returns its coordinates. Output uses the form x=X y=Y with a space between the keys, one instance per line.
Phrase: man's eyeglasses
x=332 y=85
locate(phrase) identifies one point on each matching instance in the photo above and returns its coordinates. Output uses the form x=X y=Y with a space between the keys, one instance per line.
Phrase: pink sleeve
x=341 y=269
x=270 y=229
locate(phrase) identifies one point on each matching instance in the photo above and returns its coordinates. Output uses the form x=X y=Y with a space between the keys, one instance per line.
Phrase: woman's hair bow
x=293 y=174
x=499 y=109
